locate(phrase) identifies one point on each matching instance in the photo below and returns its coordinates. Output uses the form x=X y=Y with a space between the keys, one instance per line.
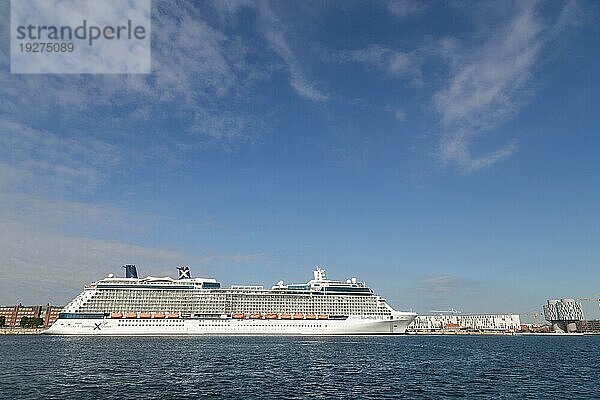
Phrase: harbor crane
x=535 y=315
x=592 y=298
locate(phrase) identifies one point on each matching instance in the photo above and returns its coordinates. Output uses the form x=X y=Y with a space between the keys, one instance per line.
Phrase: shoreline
x=21 y=331
x=38 y=331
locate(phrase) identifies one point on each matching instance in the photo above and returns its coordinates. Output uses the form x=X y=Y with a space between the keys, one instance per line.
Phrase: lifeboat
x=160 y=315
x=298 y=316
x=131 y=315
x=144 y=315
x=323 y=316
x=286 y=316
x=271 y=316
x=310 y=316
x=238 y=316
x=172 y=315
x=255 y=316
x=116 y=315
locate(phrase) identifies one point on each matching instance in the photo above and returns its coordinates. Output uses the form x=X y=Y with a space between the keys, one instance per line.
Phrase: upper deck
x=205 y=297
x=319 y=285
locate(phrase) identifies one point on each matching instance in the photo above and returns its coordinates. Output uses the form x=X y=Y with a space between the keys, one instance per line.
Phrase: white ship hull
x=228 y=326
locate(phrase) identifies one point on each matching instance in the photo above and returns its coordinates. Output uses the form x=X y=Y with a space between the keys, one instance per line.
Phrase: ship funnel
x=184 y=272
x=130 y=271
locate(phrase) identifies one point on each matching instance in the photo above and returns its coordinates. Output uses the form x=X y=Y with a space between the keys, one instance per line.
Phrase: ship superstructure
x=195 y=306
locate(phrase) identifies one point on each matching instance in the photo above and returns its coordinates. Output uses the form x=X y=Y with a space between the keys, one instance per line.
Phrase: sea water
x=242 y=367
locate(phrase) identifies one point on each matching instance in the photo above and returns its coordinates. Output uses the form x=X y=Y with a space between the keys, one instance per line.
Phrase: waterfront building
x=480 y=322
x=14 y=314
x=589 y=326
x=563 y=314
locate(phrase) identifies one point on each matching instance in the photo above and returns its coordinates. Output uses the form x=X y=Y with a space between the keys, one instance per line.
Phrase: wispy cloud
x=41 y=176
x=48 y=174
x=487 y=86
x=490 y=73
x=395 y=63
x=399 y=114
x=191 y=59
x=81 y=216
x=196 y=68
x=455 y=148
x=33 y=243
x=226 y=128
x=38 y=266
x=203 y=74
x=439 y=284
x=40 y=159
x=406 y=8
x=482 y=91
x=275 y=34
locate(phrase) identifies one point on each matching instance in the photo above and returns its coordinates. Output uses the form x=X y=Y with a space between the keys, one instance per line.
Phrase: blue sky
x=444 y=153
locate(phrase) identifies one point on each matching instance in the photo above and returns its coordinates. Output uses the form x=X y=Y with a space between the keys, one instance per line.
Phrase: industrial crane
x=535 y=315
x=593 y=298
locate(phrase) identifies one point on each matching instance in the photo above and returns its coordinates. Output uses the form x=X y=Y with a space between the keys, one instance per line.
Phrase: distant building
x=591 y=326
x=14 y=314
x=484 y=322
x=563 y=314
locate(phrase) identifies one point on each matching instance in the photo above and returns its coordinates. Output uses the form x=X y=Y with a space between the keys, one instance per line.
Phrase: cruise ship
x=200 y=306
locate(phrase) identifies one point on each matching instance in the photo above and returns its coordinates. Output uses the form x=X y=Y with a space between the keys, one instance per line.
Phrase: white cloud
x=192 y=59
x=105 y=56
x=195 y=68
x=482 y=92
x=35 y=159
x=487 y=86
x=395 y=63
x=203 y=74
x=274 y=33
x=456 y=149
x=92 y=218
x=489 y=81
x=38 y=265
x=406 y=8
x=440 y=284
x=399 y=114
x=572 y=14
x=226 y=128
x=41 y=175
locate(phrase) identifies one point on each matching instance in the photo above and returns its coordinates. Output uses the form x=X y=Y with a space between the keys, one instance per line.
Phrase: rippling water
x=34 y=367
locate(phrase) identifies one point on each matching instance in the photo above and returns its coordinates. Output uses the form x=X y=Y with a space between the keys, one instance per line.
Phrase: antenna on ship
x=130 y=271
x=184 y=272
x=319 y=274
